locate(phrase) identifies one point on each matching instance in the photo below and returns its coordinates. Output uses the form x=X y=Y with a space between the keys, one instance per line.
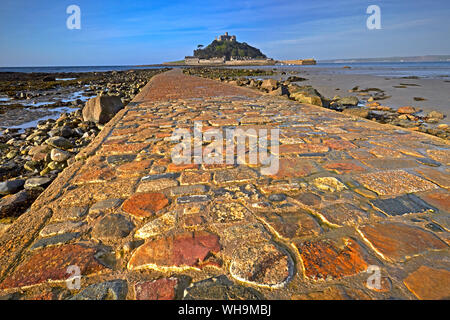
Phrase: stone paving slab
x=351 y=196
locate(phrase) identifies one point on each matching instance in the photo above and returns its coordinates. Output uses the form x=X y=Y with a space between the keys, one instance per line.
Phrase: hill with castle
x=226 y=50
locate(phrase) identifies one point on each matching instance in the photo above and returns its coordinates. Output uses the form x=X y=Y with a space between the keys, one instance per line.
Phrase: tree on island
x=229 y=49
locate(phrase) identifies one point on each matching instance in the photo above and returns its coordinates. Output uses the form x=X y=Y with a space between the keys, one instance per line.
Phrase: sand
x=330 y=82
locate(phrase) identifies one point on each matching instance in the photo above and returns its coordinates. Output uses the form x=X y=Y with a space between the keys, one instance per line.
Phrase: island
x=226 y=50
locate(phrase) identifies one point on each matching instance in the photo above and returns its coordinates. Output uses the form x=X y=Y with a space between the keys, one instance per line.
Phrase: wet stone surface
x=332 y=259
x=402 y=205
x=161 y=289
x=398 y=242
x=220 y=288
x=109 y=290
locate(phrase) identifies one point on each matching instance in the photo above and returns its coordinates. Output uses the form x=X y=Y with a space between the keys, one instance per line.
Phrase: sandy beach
x=402 y=92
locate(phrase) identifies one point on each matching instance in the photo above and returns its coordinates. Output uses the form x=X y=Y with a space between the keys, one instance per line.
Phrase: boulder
x=406 y=110
x=304 y=98
x=37 y=182
x=280 y=91
x=436 y=115
x=48 y=79
x=59 y=155
x=269 y=84
x=101 y=109
x=295 y=79
x=348 y=101
x=59 y=142
x=9 y=169
x=357 y=112
x=11 y=186
x=305 y=94
x=16 y=204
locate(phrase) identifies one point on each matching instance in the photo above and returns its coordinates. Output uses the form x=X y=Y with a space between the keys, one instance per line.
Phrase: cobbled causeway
x=352 y=200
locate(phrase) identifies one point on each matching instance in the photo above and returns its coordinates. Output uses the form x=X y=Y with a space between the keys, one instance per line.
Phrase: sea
x=431 y=70
x=74 y=69
x=382 y=69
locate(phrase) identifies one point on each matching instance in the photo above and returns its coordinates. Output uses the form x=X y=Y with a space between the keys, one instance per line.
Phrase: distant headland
x=426 y=58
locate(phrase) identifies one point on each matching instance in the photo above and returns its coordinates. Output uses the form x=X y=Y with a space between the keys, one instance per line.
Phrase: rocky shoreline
x=360 y=102
x=44 y=92
x=32 y=159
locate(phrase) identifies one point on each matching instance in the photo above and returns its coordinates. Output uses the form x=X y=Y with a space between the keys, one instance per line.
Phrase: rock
x=277 y=197
x=404 y=241
x=261 y=263
x=305 y=94
x=357 y=112
x=304 y=98
x=332 y=259
x=109 y=290
x=143 y=205
x=161 y=289
x=107 y=205
x=295 y=79
x=31 y=165
x=280 y=91
x=59 y=155
x=70 y=213
x=55 y=165
x=38 y=182
x=406 y=110
x=11 y=186
x=48 y=79
x=66 y=132
x=436 y=115
x=429 y=283
x=101 y=109
x=160 y=225
x=16 y=204
x=330 y=184
x=12 y=154
x=55 y=240
x=220 y=288
x=59 y=142
x=8 y=169
x=112 y=227
x=186 y=249
x=194 y=198
x=269 y=84
x=39 y=153
x=61 y=228
x=348 y=101
x=379 y=115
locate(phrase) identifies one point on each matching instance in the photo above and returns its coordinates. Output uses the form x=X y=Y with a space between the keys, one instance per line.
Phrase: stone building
x=226 y=37
x=191 y=60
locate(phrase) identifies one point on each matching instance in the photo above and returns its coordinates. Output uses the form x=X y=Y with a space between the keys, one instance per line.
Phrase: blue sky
x=117 y=32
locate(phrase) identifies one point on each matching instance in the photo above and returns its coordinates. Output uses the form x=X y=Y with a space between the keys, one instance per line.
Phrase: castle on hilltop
x=225 y=50
x=226 y=37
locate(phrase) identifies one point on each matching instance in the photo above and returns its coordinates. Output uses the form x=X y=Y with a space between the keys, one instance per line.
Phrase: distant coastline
x=426 y=58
